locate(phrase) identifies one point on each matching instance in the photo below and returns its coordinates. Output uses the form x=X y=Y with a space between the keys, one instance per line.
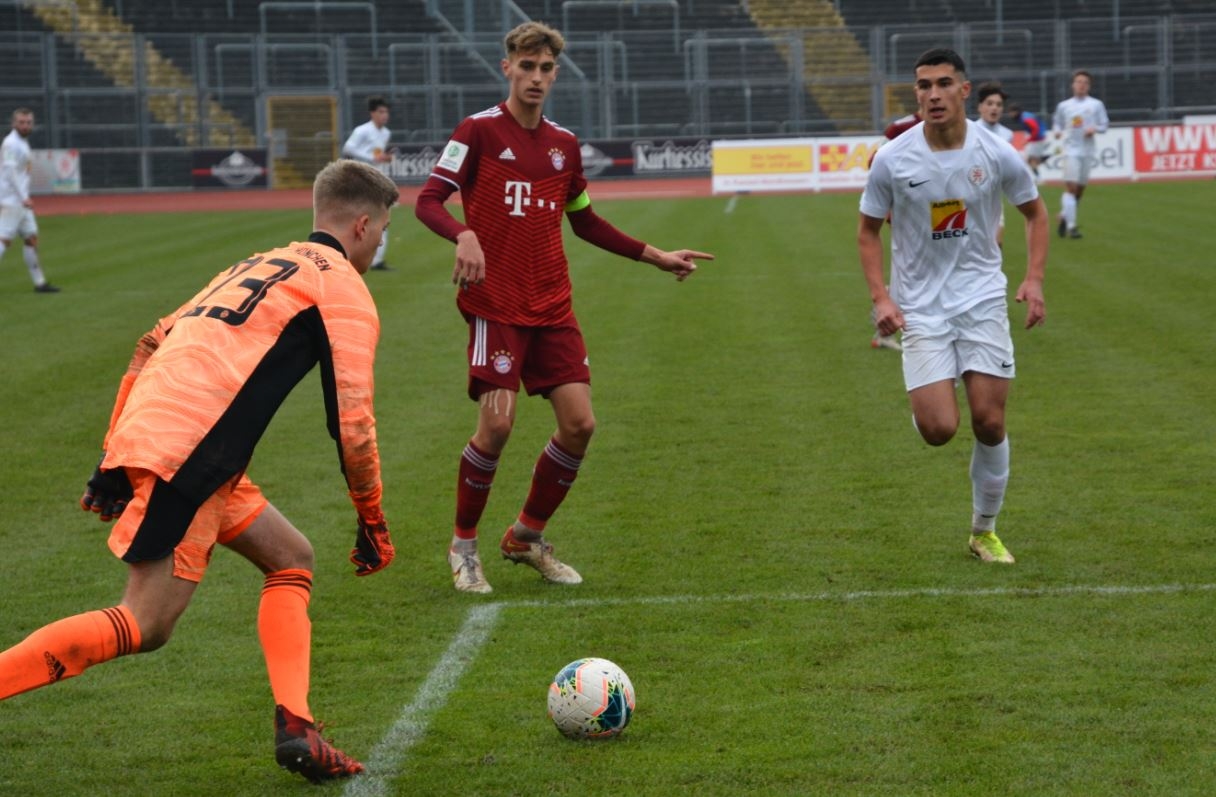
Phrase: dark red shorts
x=502 y=355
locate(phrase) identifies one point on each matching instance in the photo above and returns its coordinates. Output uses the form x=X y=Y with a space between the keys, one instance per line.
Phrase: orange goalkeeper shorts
x=160 y=521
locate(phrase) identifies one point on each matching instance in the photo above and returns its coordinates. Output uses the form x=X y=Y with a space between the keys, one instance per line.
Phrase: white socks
x=379 y=256
x=989 y=476
x=31 y=262
x=1069 y=209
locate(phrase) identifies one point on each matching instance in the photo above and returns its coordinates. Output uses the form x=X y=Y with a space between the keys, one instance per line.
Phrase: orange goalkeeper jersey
x=205 y=381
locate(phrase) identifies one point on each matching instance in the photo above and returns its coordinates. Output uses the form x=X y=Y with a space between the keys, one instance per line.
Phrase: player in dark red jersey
x=518 y=174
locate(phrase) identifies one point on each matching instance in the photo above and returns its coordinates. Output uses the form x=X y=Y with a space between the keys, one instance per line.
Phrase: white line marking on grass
x=730 y=204
x=858 y=595
x=384 y=763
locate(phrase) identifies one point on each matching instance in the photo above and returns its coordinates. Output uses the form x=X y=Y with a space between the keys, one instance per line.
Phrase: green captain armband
x=581 y=201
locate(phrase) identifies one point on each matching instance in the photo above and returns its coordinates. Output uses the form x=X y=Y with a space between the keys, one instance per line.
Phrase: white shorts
x=17 y=221
x=977 y=340
x=1036 y=149
x=1076 y=166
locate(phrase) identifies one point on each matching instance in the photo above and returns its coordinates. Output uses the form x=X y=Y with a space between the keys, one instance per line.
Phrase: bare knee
x=576 y=432
x=989 y=431
x=493 y=433
x=153 y=638
x=936 y=434
x=155 y=627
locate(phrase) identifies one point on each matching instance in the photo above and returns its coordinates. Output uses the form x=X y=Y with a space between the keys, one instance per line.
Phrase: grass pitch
x=770 y=551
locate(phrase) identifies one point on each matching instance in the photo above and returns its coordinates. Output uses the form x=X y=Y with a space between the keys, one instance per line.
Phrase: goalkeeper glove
x=373 y=549
x=107 y=492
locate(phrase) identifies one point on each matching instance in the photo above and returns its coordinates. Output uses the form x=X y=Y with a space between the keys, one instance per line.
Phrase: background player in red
x=518 y=174
x=190 y=410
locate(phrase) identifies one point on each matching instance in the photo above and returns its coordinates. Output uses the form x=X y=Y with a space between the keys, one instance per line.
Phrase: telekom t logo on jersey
x=519 y=196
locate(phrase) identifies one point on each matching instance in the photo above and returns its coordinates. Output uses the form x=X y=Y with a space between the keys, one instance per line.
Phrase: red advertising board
x=1176 y=149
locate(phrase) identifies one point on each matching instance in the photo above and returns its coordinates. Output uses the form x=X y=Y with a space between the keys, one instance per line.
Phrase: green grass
x=769 y=549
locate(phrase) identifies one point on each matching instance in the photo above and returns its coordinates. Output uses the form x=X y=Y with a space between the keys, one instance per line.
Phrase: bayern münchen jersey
x=945 y=208
x=515 y=184
x=1073 y=116
x=14 y=169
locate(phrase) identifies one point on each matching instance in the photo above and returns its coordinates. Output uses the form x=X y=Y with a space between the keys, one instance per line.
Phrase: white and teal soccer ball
x=591 y=699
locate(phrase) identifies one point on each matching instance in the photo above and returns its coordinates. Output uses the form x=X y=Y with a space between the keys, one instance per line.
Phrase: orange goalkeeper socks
x=66 y=648
x=286 y=635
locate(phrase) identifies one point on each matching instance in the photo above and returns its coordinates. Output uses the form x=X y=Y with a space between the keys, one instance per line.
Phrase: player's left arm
x=1031 y=290
x=1102 y=122
x=353 y=331
x=595 y=229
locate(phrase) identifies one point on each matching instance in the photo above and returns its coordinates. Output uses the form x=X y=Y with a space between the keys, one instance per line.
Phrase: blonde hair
x=347 y=188
x=531 y=37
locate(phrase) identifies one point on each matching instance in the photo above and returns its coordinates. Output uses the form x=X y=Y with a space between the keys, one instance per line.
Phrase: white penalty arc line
x=384 y=764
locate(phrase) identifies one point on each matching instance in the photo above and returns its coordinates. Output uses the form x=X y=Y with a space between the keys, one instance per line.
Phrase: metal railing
x=718 y=83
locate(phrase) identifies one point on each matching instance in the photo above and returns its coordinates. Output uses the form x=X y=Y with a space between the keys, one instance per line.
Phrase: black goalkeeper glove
x=107 y=492
x=373 y=549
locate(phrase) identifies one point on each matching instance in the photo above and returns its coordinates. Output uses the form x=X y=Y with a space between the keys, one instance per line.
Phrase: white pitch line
x=857 y=595
x=731 y=203
x=384 y=763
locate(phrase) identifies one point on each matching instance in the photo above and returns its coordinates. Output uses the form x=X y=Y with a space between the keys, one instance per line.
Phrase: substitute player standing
x=16 y=208
x=518 y=174
x=1076 y=121
x=198 y=394
x=369 y=143
x=942 y=182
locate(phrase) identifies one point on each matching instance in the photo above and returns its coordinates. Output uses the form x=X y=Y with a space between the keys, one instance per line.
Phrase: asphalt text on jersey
x=949 y=219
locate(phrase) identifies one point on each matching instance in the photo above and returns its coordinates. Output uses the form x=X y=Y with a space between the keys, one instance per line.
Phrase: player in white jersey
x=369 y=143
x=942 y=182
x=991 y=98
x=16 y=208
x=1075 y=121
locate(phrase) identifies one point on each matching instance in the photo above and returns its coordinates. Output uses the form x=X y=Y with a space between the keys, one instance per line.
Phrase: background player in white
x=942 y=183
x=991 y=106
x=369 y=143
x=1076 y=120
x=16 y=208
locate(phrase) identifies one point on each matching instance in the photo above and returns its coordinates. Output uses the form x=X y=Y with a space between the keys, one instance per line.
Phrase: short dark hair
x=941 y=55
x=986 y=90
x=1081 y=72
x=376 y=103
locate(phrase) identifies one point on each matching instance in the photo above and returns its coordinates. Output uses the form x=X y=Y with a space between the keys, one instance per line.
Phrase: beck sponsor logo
x=948 y=218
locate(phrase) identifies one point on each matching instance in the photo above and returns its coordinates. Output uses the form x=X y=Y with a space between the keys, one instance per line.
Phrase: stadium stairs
x=830 y=54
x=101 y=38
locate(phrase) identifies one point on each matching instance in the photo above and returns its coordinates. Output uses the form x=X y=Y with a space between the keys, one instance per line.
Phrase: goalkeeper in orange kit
x=198 y=395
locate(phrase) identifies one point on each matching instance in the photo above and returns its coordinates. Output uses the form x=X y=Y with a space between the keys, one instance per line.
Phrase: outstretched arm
x=681 y=262
x=596 y=230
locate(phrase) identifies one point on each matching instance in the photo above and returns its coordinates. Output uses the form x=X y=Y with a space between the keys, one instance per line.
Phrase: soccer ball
x=591 y=699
